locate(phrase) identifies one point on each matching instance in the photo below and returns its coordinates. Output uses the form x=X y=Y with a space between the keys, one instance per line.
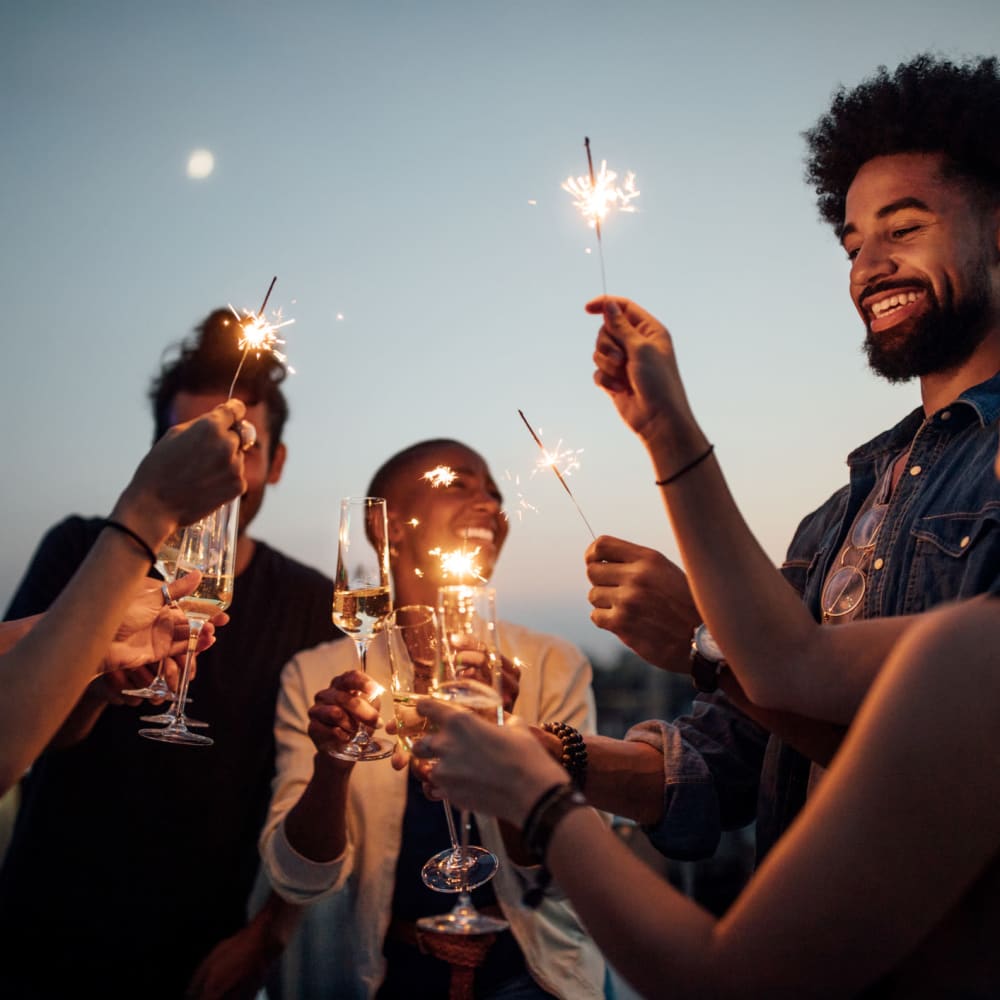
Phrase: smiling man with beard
x=352 y=839
x=906 y=167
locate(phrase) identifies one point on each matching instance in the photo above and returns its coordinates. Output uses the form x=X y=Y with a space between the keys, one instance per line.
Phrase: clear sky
x=398 y=166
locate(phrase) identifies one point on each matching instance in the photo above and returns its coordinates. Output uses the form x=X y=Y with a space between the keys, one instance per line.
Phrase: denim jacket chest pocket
x=955 y=555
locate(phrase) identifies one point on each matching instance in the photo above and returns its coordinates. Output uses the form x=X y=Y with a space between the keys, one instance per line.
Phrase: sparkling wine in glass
x=362 y=597
x=209 y=546
x=166 y=566
x=466 y=623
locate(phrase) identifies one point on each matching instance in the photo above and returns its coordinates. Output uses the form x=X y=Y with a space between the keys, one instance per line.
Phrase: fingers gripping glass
x=845 y=587
x=361 y=597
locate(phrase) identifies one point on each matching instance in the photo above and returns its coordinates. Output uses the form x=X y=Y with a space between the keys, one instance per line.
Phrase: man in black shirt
x=132 y=860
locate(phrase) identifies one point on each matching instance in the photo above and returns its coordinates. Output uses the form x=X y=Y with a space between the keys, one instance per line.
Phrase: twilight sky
x=398 y=166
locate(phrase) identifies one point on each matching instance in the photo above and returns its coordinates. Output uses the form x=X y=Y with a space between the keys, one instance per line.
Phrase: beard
x=940 y=340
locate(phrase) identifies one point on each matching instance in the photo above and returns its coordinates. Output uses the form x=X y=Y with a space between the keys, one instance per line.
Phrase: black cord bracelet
x=138 y=539
x=686 y=468
x=543 y=817
x=574 y=750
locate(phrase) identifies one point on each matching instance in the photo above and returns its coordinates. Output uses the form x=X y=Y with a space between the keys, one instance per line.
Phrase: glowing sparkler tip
x=596 y=197
x=441 y=475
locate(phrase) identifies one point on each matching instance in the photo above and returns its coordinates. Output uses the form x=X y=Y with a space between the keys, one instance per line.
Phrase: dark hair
x=384 y=478
x=208 y=361
x=928 y=105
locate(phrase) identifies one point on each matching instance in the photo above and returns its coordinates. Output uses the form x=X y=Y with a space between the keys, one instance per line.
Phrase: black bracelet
x=686 y=468
x=543 y=817
x=138 y=539
x=574 y=750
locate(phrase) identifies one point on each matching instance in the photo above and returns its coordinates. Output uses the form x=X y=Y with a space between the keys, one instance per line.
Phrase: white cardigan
x=338 y=950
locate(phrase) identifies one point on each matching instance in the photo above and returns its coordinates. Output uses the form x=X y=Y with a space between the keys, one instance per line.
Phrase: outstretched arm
x=889 y=812
x=191 y=470
x=781 y=657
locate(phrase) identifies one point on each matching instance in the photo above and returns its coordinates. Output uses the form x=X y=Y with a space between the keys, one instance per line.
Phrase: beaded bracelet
x=574 y=750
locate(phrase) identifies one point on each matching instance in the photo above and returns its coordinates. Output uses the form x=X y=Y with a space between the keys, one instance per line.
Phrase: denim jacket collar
x=982 y=401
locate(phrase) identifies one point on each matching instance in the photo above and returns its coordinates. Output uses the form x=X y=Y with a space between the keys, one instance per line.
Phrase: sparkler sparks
x=459 y=563
x=441 y=475
x=551 y=461
x=597 y=194
x=258 y=334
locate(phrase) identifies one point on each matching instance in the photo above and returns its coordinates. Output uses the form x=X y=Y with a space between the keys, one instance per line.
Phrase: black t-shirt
x=131 y=859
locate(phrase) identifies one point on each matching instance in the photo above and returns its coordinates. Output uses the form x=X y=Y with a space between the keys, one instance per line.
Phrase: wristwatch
x=707 y=660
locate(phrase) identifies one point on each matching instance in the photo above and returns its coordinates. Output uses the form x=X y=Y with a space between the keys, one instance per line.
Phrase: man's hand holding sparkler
x=644 y=599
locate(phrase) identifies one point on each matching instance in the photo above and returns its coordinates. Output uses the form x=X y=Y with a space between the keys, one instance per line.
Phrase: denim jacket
x=940 y=542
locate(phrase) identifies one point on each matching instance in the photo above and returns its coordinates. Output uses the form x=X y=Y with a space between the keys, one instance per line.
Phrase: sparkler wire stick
x=260 y=312
x=597 y=219
x=559 y=475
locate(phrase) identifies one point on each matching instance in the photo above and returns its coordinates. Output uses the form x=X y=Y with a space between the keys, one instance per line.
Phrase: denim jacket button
x=965 y=541
x=878 y=564
x=915 y=470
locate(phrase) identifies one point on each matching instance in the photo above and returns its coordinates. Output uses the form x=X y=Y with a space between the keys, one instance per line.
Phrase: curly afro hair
x=207 y=363
x=927 y=105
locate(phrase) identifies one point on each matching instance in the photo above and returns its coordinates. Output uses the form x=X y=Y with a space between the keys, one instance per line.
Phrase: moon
x=200 y=165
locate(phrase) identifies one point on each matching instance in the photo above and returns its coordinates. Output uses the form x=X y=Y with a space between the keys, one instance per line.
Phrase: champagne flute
x=362 y=597
x=166 y=566
x=209 y=545
x=466 y=621
x=413 y=642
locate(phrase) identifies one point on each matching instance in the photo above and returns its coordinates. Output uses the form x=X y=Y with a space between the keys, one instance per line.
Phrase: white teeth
x=880 y=308
x=482 y=534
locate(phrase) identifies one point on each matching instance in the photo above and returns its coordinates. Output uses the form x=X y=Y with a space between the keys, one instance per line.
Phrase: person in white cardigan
x=349 y=839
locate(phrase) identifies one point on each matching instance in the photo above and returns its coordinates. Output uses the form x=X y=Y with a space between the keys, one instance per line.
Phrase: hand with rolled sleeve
x=643 y=598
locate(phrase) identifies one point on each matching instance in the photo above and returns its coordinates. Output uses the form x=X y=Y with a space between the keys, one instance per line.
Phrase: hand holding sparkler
x=637 y=368
x=596 y=194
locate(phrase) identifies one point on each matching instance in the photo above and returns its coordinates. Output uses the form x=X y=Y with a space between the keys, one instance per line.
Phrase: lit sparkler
x=441 y=475
x=596 y=194
x=550 y=461
x=459 y=563
x=258 y=334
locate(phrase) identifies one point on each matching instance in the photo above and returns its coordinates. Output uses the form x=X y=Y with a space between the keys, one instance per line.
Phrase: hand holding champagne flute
x=466 y=622
x=362 y=597
x=209 y=546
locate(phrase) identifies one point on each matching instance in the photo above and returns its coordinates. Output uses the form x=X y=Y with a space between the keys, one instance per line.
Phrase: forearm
x=316 y=826
x=782 y=658
x=648 y=931
x=623 y=777
x=11 y=633
x=46 y=672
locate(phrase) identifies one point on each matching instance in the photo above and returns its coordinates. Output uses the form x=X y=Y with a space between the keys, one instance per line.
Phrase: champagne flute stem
x=463 y=874
x=361 y=738
x=195 y=625
x=455 y=846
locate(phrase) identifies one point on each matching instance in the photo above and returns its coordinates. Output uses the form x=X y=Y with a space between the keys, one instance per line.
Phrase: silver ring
x=247 y=434
x=167 y=599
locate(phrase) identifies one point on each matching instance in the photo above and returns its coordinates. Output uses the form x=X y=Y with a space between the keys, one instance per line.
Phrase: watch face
x=707 y=645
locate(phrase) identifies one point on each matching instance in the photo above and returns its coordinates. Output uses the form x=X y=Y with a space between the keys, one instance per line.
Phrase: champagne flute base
x=166 y=718
x=177 y=734
x=463 y=919
x=445 y=872
x=149 y=692
x=373 y=749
